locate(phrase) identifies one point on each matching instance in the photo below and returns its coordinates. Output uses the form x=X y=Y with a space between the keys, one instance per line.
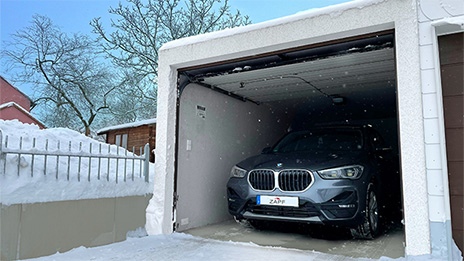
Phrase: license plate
x=277 y=201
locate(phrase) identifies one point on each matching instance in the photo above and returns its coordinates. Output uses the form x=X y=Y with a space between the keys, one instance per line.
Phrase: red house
x=15 y=105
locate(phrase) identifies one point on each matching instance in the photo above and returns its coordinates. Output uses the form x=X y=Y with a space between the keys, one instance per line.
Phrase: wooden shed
x=132 y=136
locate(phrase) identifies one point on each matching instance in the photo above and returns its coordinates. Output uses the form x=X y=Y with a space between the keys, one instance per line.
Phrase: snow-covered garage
x=225 y=96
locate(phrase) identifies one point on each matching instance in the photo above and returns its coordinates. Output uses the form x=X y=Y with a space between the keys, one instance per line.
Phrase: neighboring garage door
x=451 y=61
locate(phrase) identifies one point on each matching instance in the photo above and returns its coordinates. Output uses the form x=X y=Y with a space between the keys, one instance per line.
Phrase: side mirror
x=266 y=150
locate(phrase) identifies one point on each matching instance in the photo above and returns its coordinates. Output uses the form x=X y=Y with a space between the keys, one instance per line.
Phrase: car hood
x=303 y=160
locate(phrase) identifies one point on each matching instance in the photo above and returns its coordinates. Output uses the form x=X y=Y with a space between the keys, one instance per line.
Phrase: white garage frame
x=332 y=23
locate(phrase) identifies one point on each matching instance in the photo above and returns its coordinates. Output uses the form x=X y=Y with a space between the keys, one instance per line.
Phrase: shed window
x=124 y=141
x=117 y=140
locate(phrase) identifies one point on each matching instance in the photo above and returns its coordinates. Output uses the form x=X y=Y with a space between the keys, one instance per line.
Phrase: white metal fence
x=104 y=161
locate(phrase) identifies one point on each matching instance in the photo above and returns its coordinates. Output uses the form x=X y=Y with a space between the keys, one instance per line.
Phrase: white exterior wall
x=347 y=20
x=434 y=125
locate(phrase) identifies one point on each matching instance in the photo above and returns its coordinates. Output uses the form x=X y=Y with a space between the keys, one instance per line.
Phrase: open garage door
x=232 y=110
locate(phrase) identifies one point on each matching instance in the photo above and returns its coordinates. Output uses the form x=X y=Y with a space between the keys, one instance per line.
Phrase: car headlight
x=237 y=172
x=348 y=172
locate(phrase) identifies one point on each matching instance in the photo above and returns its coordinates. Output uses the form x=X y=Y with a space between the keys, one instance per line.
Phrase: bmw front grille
x=262 y=180
x=289 y=180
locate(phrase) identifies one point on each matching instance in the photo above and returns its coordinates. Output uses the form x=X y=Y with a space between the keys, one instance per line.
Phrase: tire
x=370 y=226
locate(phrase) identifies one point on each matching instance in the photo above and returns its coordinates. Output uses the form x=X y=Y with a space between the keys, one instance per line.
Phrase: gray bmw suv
x=339 y=175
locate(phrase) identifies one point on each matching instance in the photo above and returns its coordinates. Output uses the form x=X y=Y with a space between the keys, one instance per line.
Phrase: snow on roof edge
x=27 y=113
x=458 y=20
x=333 y=10
x=127 y=125
x=8 y=104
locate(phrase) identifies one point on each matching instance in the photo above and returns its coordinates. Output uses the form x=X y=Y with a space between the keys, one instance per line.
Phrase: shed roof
x=127 y=125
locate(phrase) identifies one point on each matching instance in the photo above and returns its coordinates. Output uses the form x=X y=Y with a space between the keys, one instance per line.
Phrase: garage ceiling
x=354 y=76
x=362 y=71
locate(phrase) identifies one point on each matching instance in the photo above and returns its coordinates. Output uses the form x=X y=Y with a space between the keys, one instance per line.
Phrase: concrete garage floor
x=317 y=238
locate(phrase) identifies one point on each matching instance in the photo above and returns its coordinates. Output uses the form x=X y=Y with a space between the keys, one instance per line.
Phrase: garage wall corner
x=415 y=201
x=159 y=214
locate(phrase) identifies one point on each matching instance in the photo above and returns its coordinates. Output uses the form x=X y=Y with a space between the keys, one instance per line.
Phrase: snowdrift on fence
x=30 y=179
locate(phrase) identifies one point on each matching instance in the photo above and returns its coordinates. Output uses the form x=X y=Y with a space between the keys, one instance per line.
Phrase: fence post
x=146 y=163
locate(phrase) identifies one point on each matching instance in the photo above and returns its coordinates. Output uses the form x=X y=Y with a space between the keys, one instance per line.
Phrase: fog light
x=346 y=206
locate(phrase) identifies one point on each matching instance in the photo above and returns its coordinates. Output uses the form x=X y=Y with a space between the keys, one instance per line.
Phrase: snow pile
x=139 y=232
x=186 y=247
x=456 y=252
x=333 y=11
x=44 y=179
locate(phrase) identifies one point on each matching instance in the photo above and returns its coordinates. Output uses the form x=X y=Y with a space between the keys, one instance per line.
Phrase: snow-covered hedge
x=39 y=182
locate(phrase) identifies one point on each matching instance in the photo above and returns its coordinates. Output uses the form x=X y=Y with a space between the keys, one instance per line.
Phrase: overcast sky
x=74 y=15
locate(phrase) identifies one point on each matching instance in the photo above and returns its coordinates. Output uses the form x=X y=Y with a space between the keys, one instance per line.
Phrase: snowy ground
x=186 y=247
x=305 y=237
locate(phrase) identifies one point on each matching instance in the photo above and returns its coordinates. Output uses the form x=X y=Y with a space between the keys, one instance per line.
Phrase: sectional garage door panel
x=362 y=71
x=456 y=180
x=452 y=75
x=453 y=106
x=451 y=63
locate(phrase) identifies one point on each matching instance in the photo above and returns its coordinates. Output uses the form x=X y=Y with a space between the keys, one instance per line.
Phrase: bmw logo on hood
x=279 y=165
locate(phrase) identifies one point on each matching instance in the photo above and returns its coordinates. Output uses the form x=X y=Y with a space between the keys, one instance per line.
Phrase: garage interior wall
x=225 y=132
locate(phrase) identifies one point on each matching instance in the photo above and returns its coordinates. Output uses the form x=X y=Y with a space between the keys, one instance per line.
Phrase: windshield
x=320 y=140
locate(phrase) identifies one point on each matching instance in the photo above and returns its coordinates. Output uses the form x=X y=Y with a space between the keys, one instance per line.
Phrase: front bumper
x=334 y=202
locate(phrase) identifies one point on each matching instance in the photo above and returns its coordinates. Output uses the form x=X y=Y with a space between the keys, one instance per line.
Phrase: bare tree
x=133 y=100
x=70 y=80
x=141 y=27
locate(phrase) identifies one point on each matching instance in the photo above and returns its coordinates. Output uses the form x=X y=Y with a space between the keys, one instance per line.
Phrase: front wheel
x=370 y=226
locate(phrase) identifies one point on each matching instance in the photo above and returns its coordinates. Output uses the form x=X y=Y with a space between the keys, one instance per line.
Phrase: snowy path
x=186 y=247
